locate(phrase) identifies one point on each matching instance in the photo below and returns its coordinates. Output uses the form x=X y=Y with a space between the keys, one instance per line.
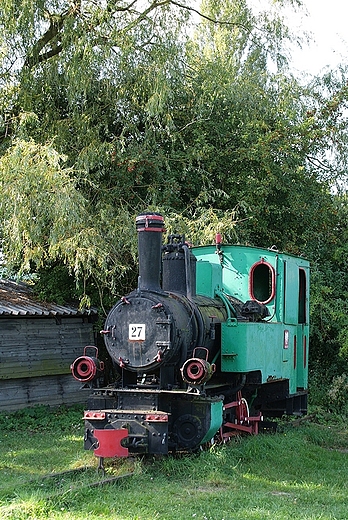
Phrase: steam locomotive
x=212 y=339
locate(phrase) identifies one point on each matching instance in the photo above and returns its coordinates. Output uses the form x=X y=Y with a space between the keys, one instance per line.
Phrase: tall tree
x=84 y=81
x=144 y=117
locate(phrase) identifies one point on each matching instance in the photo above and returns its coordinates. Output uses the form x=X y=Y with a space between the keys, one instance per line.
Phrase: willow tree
x=89 y=97
x=83 y=85
x=140 y=112
x=257 y=138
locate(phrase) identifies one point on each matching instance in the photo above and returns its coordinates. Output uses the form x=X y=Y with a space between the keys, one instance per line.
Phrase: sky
x=327 y=21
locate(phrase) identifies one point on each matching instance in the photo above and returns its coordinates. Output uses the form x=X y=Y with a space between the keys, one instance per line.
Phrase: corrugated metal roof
x=17 y=299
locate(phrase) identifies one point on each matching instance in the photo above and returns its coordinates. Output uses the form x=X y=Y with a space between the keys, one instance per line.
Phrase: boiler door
x=138 y=333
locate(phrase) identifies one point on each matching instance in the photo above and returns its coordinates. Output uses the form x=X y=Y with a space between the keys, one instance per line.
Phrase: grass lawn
x=297 y=473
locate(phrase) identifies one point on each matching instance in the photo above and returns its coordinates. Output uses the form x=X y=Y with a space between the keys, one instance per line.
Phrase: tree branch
x=56 y=25
x=202 y=15
x=319 y=164
x=51 y=36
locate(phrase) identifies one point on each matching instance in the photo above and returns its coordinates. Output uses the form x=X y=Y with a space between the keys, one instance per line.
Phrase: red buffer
x=110 y=443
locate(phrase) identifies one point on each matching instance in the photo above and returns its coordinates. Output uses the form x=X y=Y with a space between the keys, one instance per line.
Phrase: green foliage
x=329 y=304
x=338 y=394
x=42 y=419
x=56 y=284
x=107 y=109
x=48 y=220
x=201 y=226
x=40 y=205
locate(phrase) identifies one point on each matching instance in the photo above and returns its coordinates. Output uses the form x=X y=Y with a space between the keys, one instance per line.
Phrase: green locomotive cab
x=266 y=334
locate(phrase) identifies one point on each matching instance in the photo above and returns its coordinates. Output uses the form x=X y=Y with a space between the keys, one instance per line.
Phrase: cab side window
x=262 y=282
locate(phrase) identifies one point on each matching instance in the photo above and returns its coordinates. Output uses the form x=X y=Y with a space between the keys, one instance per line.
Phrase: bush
x=338 y=394
x=43 y=418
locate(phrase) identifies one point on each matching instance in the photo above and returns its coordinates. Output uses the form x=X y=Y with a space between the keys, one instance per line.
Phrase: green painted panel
x=216 y=410
x=208 y=277
x=292 y=269
x=302 y=356
x=292 y=288
x=235 y=267
x=258 y=347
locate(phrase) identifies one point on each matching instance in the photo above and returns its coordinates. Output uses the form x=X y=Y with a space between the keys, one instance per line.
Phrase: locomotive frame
x=213 y=338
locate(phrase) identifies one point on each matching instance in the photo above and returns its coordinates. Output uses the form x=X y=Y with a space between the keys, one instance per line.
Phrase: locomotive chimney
x=150 y=227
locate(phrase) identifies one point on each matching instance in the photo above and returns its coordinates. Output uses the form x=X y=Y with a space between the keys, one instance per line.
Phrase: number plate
x=136 y=332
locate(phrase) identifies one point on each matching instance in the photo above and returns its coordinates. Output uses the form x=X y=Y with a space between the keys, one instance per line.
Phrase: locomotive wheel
x=188 y=430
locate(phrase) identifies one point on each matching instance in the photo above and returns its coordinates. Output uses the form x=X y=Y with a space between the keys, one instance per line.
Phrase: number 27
x=136 y=331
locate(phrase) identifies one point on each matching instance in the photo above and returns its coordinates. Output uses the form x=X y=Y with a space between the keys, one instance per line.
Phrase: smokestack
x=150 y=227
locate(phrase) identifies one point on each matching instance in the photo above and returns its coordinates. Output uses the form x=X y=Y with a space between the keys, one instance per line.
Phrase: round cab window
x=262 y=282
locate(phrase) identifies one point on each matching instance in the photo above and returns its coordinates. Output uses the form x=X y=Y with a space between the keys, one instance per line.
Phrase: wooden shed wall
x=35 y=359
x=21 y=393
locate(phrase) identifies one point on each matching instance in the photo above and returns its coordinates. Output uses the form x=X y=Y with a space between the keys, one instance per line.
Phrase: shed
x=38 y=343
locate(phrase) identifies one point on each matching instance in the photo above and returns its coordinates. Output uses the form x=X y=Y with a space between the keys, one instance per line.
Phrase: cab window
x=262 y=282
